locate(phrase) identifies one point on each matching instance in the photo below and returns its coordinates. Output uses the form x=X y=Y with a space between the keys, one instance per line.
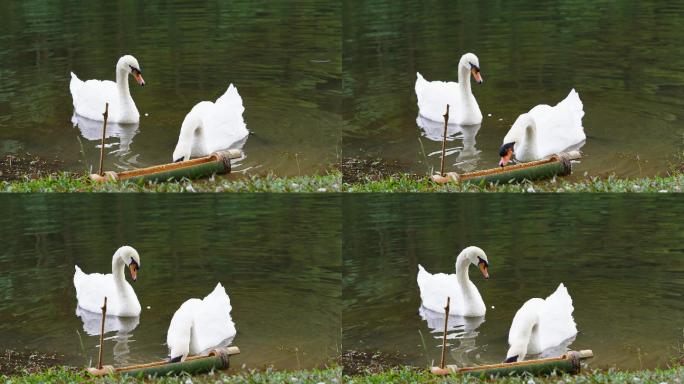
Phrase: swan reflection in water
x=91 y=130
x=461 y=333
x=468 y=156
x=123 y=326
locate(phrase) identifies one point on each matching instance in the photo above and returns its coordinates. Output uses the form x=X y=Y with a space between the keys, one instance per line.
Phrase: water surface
x=279 y=260
x=283 y=57
x=624 y=59
x=621 y=258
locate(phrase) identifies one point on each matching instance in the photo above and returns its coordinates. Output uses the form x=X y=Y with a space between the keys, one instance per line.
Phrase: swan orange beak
x=139 y=78
x=134 y=271
x=506 y=152
x=476 y=75
x=484 y=269
x=506 y=158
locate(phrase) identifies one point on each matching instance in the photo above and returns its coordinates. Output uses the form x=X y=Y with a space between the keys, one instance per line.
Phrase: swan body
x=465 y=298
x=200 y=325
x=541 y=324
x=91 y=289
x=546 y=130
x=210 y=127
x=89 y=97
x=433 y=96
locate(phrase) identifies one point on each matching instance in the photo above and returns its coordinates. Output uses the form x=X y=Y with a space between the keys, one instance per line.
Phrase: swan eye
x=475 y=67
x=135 y=70
x=134 y=264
x=482 y=262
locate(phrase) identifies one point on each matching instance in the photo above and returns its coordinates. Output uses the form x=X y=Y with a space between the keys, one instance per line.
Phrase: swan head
x=476 y=256
x=471 y=63
x=131 y=258
x=130 y=64
x=516 y=352
x=506 y=152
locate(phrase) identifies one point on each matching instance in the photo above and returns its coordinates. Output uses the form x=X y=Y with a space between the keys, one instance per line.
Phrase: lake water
x=277 y=256
x=283 y=57
x=624 y=59
x=619 y=256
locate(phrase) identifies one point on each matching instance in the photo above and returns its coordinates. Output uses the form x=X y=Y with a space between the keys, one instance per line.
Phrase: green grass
x=334 y=376
x=69 y=182
x=410 y=183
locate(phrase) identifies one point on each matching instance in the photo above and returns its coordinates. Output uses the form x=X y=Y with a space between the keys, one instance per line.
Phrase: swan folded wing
x=212 y=320
x=90 y=98
x=223 y=121
x=559 y=127
x=91 y=290
x=434 y=290
x=556 y=323
x=433 y=97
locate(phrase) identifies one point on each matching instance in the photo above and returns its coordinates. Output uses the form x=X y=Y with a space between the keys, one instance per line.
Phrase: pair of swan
x=208 y=127
x=196 y=327
x=535 y=135
x=537 y=326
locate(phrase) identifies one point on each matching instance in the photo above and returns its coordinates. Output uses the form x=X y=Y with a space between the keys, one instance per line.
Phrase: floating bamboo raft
x=556 y=165
x=217 y=359
x=568 y=363
x=216 y=163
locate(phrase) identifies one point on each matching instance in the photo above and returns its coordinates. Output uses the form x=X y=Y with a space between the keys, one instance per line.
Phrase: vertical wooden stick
x=446 y=122
x=102 y=146
x=102 y=324
x=446 y=324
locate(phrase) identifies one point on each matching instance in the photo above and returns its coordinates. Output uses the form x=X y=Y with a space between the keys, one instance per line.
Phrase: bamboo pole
x=102 y=324
x=446 y=322
x=102 y=146
x=446 y=123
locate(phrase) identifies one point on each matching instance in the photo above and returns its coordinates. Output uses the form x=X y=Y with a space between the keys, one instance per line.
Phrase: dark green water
x=621 y=258
x=278 y=257
x=283 y=57
x=624 y=58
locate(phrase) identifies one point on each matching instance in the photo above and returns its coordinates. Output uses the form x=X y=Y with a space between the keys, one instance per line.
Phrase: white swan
x=210 y=127
x=91 y=289
x=200 y=325
x=465 y=298
x=541 y=324
x=433 y=96
x=89 y=97
x=544 y=131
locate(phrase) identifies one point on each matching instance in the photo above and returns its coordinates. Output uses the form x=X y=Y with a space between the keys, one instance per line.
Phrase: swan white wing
x=91 y=290
x=223 y=122
x=433 y=97
x=89 y=97
x=556 y=323
x=212 y=321
x=559 y=127
x=434 y=290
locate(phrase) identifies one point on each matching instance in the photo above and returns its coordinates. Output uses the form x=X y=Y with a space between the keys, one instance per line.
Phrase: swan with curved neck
x=212 y=126
x=544 y=131
x=91 y=289
x=89 y=97
x=433 y=96
x=200 y=325
x=541 y=324
x=465 y=298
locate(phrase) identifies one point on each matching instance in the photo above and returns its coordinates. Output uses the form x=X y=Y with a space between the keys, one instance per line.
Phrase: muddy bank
x=27 y=166
x=356 y=170
x=17 y=362
x=364 y=362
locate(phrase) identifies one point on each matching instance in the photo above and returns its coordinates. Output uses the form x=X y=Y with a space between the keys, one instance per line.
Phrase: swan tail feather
x=556 y=322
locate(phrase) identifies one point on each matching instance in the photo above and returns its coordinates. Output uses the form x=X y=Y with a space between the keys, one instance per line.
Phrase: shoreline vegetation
x=28 y=173
x=364 y=368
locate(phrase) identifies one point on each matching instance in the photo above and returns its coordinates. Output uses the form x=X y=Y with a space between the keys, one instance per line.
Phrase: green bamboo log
x=568 y=363
x=218 y=359
x=556 y=165
x=216 y=163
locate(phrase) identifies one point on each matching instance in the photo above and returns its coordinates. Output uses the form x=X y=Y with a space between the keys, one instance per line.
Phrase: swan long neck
x=464 y=79
x=462 y=265
x=118 y=272
x=531 y=137
x=122 y=80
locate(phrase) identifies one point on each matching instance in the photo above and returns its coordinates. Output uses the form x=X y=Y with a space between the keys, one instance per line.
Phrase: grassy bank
x=69 y=182
x=411 y=183
x=334 y=376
